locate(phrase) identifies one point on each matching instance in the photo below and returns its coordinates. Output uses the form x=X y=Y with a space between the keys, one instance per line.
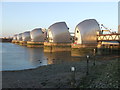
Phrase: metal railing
x=109 y=37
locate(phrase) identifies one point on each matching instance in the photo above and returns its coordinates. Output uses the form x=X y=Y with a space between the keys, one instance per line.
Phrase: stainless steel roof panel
x=59 y=33
x=88 y=31
x=26 y=36
x=15 y=37
x=37 y=35
x=19 y=37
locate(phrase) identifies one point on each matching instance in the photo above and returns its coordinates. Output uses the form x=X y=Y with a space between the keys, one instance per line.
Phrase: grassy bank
x=102 y=76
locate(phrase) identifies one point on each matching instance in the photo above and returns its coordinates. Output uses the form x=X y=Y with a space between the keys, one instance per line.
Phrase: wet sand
x=51 y=76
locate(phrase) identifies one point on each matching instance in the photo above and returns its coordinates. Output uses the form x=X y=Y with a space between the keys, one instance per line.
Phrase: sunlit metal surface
x=26 y=36
x=58 y=33
x=19 y=37
x=37 y=35
x=86 y=31
x=15 y=37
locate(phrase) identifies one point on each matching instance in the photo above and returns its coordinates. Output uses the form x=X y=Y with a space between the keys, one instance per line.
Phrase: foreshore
x=59 y=75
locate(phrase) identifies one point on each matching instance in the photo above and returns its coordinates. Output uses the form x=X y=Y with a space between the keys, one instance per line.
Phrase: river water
x=16 y=57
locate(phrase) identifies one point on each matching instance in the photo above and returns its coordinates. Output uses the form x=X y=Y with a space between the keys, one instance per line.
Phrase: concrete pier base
x=13 y=41
x=79 y=50
x=83 y=45
x=23 y=43
x=35 y=44
x=54 y=47
x=57 y=44
x=16 y=42
x=108 y=46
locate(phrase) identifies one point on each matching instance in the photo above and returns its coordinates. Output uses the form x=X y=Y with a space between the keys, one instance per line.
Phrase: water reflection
x=56 y=49
x=81 y=52
x=58 y=57
x=108 y=51
x=16 y=57
x=35 y=46
x=36 y=56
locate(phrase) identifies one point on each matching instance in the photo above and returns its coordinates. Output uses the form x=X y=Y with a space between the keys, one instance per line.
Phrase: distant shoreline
x=5 y=39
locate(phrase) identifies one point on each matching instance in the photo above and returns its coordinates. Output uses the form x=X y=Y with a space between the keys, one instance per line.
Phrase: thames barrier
x=87 y=34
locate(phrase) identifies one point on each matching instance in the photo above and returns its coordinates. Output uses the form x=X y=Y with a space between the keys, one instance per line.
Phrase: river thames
x=16 y=57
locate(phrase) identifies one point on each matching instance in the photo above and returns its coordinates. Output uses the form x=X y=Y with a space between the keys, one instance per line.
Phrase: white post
x=94 y=56
x=73 y=77
x=87 y=72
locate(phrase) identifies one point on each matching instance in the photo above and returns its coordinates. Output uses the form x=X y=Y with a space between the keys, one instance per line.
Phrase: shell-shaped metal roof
x=59 y=33
x=26 y=36
x=37 y=35
x=15 y=37
x=19 y=37
x=87 y=30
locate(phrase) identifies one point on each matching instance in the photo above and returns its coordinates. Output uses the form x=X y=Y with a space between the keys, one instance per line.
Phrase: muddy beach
x=60 y=75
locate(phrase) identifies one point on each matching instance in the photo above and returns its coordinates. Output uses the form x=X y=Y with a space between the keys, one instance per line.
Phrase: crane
x=108 y=30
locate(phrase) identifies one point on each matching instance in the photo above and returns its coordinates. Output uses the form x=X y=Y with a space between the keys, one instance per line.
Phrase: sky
x=119 y=13
x=18 y=17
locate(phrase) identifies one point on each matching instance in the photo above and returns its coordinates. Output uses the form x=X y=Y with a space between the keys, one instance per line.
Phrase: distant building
x=37 y=35
x=59 y=33
x=86 y=31
x=26 y=36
